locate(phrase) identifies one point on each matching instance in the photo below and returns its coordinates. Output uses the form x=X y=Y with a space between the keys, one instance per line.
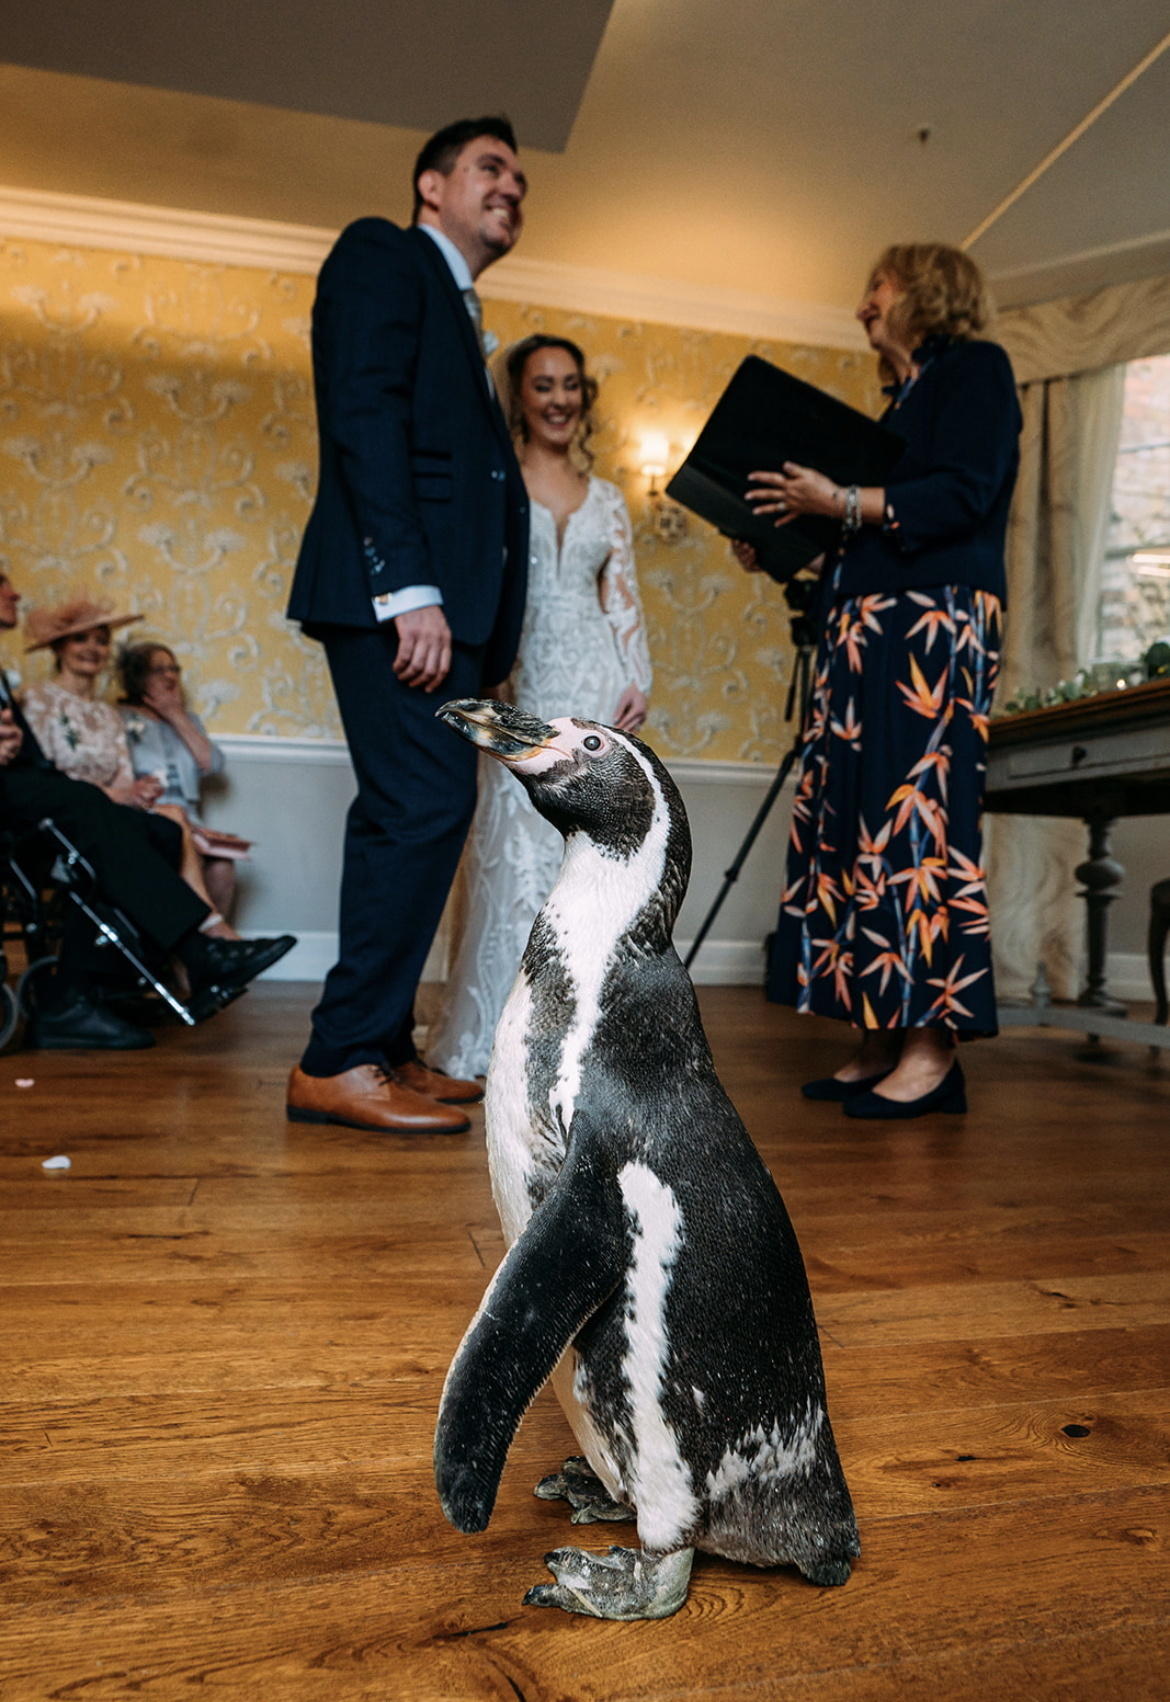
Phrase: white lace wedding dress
x=582 y=644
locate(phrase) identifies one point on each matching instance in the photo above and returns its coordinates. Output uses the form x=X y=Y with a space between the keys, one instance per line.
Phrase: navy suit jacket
x=419 y=483
x=951 y=487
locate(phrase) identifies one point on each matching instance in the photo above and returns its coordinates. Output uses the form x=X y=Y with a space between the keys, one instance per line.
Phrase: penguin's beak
x=498 y=728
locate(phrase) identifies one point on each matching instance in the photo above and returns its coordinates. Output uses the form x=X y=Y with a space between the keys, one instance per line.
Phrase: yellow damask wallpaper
x=157 y=444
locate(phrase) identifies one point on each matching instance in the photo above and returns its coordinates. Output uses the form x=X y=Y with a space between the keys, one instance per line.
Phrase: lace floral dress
x=582 y=644
x=82 y=737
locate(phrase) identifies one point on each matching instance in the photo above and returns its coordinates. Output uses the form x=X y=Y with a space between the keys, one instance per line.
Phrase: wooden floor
x=224 y=1339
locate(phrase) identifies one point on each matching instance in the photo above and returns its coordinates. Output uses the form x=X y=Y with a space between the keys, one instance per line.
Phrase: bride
x=582 y=652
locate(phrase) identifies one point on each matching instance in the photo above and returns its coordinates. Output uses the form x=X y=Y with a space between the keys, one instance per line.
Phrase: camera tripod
x=799 y=691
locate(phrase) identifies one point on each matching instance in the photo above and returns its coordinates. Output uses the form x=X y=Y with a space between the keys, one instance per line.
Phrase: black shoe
x=217 y=966
x=949 y=1095
x=828 y=1087
x=81 y=1025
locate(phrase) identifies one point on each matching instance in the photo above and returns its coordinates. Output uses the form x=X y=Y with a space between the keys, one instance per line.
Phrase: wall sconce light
x=655 y=450
x=668 y=520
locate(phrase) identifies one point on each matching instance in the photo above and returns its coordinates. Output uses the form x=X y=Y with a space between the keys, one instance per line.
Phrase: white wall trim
x=265 y=747
x=721 y=963
x=81 y=221
x=1066 y=262
x=687 y=770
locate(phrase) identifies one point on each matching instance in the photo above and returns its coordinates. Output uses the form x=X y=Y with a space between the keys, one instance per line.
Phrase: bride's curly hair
x=517 y=358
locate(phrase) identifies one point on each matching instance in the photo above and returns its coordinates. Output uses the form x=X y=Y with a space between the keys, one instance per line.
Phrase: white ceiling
x=768 y=146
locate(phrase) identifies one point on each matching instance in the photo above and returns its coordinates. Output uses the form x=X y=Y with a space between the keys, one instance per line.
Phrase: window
x=1135 y=593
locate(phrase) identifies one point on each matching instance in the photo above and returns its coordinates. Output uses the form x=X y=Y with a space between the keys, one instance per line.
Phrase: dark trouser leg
x=404 y=834
x=123 y=845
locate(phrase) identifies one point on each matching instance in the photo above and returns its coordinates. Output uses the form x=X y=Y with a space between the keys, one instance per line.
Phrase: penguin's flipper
x=626 y=1583
x=566 y=1264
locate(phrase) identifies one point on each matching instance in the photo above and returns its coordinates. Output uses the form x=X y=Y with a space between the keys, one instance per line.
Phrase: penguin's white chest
x=538 y=1067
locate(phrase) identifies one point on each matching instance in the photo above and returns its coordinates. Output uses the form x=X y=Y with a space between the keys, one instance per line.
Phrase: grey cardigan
x=155 y=748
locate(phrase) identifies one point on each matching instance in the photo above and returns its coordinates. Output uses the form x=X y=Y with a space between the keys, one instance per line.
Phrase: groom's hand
x=424 y=647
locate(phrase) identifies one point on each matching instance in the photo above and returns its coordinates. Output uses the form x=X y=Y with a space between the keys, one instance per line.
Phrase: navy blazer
x=419 y=483
x=951 y=487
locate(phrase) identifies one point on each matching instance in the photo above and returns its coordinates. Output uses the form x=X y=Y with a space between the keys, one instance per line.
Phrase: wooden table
x=1101 y=758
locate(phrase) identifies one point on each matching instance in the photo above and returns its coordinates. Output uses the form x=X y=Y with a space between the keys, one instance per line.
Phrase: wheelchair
x=42 y=873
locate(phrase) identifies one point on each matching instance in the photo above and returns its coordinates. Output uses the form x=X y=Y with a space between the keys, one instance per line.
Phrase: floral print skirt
x=883 y=919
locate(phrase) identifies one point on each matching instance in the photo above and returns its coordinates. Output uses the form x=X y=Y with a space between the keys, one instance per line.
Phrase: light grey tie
x=475 y=310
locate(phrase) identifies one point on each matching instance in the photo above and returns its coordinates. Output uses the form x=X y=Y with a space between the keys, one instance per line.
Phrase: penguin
x=652 y=1270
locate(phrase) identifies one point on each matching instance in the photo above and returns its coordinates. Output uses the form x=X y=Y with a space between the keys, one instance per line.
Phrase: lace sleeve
x=619 y=595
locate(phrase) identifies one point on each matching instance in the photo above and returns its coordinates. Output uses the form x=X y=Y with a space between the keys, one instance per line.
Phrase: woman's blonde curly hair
x=943 y=291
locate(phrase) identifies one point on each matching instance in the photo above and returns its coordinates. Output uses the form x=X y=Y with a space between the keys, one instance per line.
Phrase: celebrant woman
x=883 y=919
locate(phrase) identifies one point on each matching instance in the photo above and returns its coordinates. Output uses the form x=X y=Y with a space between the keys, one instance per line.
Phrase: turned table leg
x=1101 y=878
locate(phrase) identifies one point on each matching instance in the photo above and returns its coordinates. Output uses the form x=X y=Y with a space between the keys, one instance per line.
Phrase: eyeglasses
x=166 y=668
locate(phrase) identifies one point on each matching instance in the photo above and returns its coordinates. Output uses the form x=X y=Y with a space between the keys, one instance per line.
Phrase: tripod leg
x=753 y=832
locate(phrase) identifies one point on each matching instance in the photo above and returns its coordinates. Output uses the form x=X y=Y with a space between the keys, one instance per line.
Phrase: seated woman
x=84 y=738
x=169 y=743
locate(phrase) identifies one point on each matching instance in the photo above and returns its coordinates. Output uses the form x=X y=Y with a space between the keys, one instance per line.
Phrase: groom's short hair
x=446 y=145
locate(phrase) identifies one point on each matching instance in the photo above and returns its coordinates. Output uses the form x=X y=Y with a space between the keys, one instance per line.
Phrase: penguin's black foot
x=580 y=1486
x=626 y=1583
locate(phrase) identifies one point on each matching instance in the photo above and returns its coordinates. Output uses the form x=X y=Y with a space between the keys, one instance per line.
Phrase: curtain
x=1055 y=553
x=1053 y=339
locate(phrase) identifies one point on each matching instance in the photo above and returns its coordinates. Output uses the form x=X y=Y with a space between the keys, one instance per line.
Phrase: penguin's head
x=585 y=779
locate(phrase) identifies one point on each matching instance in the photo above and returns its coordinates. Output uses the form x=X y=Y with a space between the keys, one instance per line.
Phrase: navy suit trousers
x=403 y=837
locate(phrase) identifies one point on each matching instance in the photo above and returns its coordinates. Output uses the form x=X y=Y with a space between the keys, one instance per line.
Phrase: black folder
x=764 y=418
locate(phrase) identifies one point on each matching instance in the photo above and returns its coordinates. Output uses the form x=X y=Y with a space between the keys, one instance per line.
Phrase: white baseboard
x=721 y=963
x=1128 y=975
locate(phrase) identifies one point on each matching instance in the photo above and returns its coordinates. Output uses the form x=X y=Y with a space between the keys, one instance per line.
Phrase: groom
x=412 y=574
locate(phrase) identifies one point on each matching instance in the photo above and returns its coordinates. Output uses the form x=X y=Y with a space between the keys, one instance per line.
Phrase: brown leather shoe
x=448 y=1090
x=366 y=1097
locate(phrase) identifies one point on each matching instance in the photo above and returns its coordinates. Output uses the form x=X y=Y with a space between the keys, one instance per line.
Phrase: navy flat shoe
x=949 y=1095
x=828 y=1087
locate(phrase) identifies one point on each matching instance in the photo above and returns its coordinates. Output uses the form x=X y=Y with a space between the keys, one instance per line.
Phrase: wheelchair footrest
x=211 y=999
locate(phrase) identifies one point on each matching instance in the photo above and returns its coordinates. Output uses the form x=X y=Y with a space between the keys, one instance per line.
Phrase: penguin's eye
x=592 y=743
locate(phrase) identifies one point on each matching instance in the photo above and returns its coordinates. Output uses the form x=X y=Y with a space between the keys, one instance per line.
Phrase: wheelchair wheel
x=9 y=1014
x=30 y=987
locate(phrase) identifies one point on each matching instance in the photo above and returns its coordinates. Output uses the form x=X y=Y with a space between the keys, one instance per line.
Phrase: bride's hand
x=631 y=710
